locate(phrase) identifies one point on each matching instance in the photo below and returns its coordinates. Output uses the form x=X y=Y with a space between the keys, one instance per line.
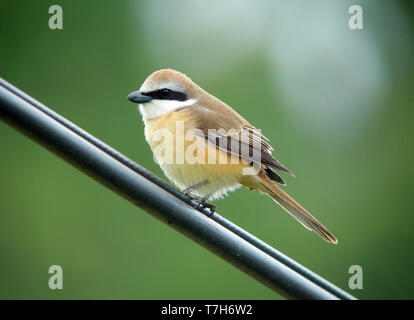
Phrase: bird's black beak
x=138 y=97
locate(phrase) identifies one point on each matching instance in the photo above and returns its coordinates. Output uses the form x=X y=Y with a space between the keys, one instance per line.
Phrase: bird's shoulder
x=212 y=113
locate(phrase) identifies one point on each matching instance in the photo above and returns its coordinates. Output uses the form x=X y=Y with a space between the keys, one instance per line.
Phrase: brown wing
x=233 y=134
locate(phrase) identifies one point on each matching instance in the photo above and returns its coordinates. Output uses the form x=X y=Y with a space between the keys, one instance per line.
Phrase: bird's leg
x=194 y=187
x=202 y=201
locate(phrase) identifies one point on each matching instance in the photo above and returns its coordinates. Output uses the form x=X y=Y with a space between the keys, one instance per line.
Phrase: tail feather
x=295 y=209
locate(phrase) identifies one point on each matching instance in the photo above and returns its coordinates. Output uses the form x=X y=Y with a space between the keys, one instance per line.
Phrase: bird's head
x=164 y=91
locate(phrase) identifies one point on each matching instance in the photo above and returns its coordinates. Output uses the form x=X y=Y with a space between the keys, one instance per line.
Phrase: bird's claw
x=209 y=206
x=201 y=203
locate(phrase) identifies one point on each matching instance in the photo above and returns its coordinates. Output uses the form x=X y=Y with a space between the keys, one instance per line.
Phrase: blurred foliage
x=53 y=214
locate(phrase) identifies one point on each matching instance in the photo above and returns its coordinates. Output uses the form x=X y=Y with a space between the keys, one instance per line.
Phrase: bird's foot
x=209 y=206
x=201 y=203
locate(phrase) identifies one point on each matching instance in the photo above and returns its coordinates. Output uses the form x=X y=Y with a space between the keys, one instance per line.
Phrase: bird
x=207 y=149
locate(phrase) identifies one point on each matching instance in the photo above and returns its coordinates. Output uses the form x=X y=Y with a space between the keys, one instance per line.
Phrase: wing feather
x=233 y=134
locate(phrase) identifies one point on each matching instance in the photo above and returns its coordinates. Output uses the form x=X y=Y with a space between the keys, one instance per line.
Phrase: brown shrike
x=207 y=149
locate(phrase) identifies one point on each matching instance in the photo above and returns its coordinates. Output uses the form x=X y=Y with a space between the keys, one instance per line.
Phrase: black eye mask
x=166 y=94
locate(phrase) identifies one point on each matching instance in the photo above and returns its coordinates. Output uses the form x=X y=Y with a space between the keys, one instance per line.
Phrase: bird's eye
x=165 y=93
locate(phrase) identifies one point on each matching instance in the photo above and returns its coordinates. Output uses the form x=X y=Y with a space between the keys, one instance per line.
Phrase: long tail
x=295 y=209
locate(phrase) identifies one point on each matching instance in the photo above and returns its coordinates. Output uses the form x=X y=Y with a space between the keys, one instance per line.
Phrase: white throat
x=156 y=107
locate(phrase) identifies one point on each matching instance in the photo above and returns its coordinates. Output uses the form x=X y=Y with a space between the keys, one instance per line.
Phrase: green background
x=336 y=103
